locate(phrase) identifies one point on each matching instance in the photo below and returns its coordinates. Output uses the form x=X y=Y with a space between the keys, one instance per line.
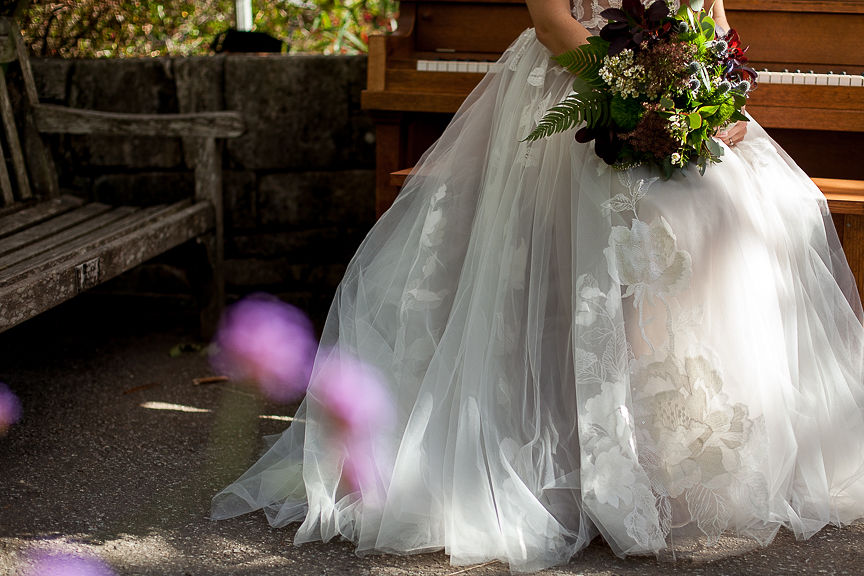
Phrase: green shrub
x=133 y=28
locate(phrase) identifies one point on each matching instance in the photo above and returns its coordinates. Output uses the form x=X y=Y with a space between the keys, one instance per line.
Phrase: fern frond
x=584 y=61
x=582 y=105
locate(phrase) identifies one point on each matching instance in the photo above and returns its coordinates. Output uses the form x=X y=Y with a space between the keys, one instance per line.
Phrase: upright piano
x=810 y=98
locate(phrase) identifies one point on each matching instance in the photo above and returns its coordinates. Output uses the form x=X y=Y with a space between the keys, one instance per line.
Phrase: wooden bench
x=54 y=246
x=845 y=201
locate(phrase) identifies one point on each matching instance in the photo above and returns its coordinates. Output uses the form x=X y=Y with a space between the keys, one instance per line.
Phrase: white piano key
x=462 y=67
x=786 y=78
x=857 y=80
x=767 y=77
x=833 y=79
x=810 y=79
x=845 y=80
x=821 y=79
x=797 y=78
x=422 y=65
x=473 y=66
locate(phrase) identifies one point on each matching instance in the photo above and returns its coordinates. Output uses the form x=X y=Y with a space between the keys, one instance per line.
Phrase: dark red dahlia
x=734 y=60
x=633 y=24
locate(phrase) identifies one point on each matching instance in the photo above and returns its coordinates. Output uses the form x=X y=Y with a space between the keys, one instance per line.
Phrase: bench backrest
x=27 y=169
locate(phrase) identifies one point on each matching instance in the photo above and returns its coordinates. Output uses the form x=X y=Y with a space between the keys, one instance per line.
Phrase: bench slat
x=52 y=226
x=51 y=241
x=73 y=250
x=51 y=118
x=37 y=213
x=39 y=292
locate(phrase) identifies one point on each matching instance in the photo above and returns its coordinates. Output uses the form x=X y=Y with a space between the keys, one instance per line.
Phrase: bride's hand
x=733 y=134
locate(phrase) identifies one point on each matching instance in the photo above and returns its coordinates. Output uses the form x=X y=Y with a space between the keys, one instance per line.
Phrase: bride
x=574 y=350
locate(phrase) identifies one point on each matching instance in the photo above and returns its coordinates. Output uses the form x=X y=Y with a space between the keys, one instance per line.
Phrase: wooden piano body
x=820 y=126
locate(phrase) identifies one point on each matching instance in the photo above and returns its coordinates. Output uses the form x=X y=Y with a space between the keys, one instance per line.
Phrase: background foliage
x=132 y=28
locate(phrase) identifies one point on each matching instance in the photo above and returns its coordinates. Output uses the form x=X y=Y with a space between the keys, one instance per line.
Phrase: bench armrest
x=55 y=119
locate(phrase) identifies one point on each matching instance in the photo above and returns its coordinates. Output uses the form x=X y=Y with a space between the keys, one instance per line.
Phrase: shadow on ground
x=118 y=454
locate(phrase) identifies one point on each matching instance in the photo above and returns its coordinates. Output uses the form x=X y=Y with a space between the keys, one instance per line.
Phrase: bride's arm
x=719 y=14
x=555 y=26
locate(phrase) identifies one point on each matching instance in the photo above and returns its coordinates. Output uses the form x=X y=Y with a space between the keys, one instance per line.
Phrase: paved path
x=119 y=453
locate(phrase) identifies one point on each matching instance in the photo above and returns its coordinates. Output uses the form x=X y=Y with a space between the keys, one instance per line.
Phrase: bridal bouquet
x=653 y=88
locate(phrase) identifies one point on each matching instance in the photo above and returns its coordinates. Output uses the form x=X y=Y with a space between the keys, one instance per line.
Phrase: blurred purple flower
x=268 y=342
x=10 y=408
x=359 y=408
x=69 y=565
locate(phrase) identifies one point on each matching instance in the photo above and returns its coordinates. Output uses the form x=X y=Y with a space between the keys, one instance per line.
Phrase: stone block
x=200 y=88
x=126 y=151
x=200 y=83
x=52 y=78
x=136 y=85
x=302 y=112
x=239 y=191
x=317 y=199
x=321 y=245
x=143 y=189
x=143 y=85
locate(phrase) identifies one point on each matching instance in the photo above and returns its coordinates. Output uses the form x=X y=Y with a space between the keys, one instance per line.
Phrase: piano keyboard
x=455 y=66
x=811 y=78
x=765 y=76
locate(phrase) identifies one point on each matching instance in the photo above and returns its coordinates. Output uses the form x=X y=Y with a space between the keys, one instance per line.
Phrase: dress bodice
x=588 y=11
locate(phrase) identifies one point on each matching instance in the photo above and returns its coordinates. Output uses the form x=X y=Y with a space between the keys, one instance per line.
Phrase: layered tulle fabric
x=575 y=351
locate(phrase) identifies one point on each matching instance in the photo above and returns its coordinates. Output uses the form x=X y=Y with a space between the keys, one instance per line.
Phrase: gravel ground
x=118 y=454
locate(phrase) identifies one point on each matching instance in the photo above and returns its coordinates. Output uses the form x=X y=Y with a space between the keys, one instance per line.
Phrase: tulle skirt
x=573 y=351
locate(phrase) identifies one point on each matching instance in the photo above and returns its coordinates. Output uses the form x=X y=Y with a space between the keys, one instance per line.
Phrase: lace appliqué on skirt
x=688 y=452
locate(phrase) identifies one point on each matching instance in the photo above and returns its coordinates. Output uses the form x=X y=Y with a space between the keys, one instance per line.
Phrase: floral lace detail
x=594 y=22
x=417 y=296
x=680 y=451
x=424 y=291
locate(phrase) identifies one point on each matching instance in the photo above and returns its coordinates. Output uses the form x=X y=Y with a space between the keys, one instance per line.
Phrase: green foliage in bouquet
x=653 y=88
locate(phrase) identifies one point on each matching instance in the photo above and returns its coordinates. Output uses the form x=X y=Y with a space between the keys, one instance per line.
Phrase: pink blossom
x=354 y=399
x=69 y=565
x=10 y=408
x=268 y=342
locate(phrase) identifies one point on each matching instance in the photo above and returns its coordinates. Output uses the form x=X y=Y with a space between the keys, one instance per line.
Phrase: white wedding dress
x=577 y=351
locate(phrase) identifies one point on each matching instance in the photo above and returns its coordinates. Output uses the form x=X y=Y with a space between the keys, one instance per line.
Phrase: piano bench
x=844 y=196
x=398 y=178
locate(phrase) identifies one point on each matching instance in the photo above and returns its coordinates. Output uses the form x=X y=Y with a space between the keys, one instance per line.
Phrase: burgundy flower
x=633 y=24
x=607 y=144
x=733 y=43
x=734 y=60
x=268 y=342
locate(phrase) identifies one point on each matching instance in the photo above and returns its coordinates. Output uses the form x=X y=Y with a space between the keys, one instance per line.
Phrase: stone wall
x=299 y=185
